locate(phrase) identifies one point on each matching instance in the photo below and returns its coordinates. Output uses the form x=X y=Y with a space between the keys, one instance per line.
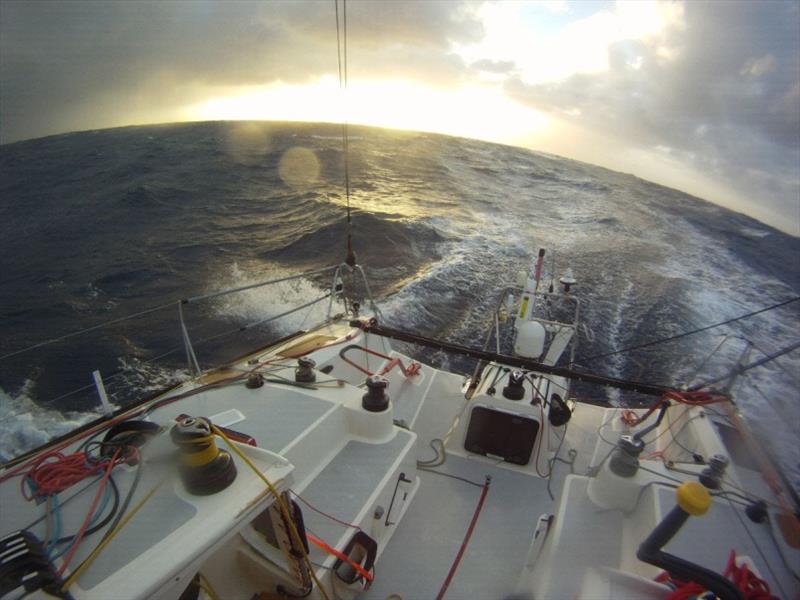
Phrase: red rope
x=54 y=472
x=412 y=369
x=689 y=398
x=21 y=468
x=465 y=542
x=340 y=555
x=82 y=531
x=695 y=398
x=751 y=586
x=323 y=513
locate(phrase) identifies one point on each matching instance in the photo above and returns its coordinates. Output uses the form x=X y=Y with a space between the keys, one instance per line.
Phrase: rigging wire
x=122 y=371
x=742 y=369
x=786 y=371
x=341 y=57
x=67 y=336
x=153 y=309
x=692 y=332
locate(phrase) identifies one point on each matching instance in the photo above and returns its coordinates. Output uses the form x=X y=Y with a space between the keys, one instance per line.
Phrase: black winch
x=376 y=400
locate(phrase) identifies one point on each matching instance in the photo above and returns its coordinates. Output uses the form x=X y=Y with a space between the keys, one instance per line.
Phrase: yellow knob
x=693 y=497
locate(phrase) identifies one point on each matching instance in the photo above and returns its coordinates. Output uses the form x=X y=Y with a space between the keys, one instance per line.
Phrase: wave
x=98 y=224
x=26 y=425
x=259 y=304
x=381 y=242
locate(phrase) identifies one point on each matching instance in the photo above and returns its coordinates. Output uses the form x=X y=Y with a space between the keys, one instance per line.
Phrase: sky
x=700 y=96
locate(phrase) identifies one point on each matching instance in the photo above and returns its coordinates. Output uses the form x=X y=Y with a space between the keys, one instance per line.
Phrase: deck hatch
x=501 y=433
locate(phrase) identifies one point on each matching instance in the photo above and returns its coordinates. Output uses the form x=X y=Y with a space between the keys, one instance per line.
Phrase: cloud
x=80 y=64
x=704 y=96
x=719 y=88
x=493 y=66
x=756 y=67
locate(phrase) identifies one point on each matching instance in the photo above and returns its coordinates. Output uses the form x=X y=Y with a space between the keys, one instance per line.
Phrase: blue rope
x=57 y=530
x=57 y=514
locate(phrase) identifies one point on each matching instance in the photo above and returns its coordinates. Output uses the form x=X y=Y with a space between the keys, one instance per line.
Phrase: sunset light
x=481 y=112
x=684 y=94
x=399 y=299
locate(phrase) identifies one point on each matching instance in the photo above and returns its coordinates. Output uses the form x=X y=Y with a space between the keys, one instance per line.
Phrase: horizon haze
x=703 y=97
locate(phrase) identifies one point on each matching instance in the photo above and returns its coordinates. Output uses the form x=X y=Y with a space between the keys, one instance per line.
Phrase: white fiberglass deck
x=360 y=468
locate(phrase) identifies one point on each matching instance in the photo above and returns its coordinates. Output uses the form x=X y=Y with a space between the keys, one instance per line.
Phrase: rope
x=454 y=567
x=748 y=583
x=54 y=476
x=694 y=331
x=323 y=513
x=87 y=521
x=287 y=517
x=101 y=546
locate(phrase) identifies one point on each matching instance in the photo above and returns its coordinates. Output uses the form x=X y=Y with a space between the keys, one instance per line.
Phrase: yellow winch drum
x=205 y=469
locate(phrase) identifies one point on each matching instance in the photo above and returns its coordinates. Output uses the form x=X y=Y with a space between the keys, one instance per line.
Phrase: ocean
x=97 y=225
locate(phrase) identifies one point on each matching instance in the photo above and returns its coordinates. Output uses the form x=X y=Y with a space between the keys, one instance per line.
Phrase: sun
x=476 y=111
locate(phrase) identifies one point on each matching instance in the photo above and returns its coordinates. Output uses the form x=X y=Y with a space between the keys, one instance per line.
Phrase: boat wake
x=441 y=225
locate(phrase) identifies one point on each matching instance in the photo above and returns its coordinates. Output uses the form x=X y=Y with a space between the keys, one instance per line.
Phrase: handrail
x=496 y=330
x=337 y=279
x=87 y=330
x=186 y=343
x=257 y=285
x=191 y=357
x=120 y=372
x=153 y=309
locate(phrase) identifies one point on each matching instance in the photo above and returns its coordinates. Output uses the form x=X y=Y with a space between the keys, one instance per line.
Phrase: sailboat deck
x=352 y=469
x=437 y=521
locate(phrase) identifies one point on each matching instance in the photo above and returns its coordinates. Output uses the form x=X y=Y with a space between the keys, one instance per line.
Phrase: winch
x=205 y=469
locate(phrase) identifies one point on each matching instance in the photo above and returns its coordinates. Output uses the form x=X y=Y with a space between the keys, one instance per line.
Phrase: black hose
x=650 y=552
x=640 y=434
x=106 y=519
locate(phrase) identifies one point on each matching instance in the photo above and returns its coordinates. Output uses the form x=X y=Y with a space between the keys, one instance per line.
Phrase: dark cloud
x=70 y=65
x=722 y=95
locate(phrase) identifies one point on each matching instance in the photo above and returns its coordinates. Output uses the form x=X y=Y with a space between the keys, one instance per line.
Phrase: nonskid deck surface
x=418 y=558
x=344 y=486
x=348 y=464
